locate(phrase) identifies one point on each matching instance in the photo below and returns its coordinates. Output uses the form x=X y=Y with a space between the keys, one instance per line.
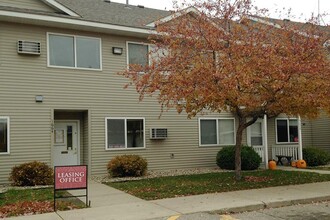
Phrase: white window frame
x=8 y=135
x=288 y=130
x=139 y=43
x=125 y=120
x=75 y=51
x=217 y=132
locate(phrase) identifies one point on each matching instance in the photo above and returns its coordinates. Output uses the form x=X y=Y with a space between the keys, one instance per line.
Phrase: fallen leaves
x=257 y=179
x=33 y=208
x=26 y=208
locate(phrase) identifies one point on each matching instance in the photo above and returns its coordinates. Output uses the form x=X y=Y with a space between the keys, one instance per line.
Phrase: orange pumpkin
x=272 y=165
x=294 y=163
x=301 y=164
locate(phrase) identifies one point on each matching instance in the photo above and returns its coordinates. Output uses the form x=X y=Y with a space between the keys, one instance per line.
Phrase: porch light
x=39 y=98
x=117 y=50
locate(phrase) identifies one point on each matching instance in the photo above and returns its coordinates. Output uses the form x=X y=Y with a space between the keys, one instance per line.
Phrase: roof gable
x=28 y=4
x=45 y=6
x=58 y=6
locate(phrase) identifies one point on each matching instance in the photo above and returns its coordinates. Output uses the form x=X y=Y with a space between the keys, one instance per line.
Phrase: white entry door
x=255 y=137
x=66 y=143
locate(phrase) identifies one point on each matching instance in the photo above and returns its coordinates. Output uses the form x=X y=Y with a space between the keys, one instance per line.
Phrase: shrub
x=31 y=174
x=127 y=165
x=226 y=158
x=315 y=156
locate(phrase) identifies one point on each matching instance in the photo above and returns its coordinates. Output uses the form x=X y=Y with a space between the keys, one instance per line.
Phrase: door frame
x=78 y=137
x=263 y=133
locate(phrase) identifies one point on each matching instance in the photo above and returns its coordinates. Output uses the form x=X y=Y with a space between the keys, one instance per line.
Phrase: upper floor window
x=4 y=135
x=138 y=54
x=123 y=133
x=74 y=51
x=217 y=131
x=287 y=131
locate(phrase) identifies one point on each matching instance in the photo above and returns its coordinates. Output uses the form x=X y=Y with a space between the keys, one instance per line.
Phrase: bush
x=226 y=158
x=127 y=165
x=315 y=156
x=32 y=174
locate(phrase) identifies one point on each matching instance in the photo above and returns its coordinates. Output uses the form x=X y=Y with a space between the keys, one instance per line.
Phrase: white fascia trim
x=75 y=22
x=264 y=22
x=60 y=7
x=173 y=16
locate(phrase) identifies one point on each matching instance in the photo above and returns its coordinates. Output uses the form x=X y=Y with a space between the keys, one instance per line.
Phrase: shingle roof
x=294 y=24
x=114 y=13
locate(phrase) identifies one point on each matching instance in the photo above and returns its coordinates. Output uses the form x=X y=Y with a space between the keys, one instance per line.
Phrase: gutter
x=71 y=23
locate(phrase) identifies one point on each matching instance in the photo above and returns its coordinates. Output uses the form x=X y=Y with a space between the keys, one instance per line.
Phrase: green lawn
x=169 y=187
x=34 y=201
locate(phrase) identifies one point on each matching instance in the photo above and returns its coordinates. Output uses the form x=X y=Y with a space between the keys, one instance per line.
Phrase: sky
x=301 y=9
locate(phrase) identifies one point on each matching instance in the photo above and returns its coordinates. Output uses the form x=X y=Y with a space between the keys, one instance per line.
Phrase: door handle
x=64 y=152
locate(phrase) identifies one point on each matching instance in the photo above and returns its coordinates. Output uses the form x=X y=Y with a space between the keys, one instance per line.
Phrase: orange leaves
x=213 y=63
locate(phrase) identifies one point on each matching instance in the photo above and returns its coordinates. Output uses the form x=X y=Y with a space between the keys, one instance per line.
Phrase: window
x=287 y=130
x=256 y=134
x=74 y=51
x=217 y=131
x=4 y=135
x=125 y=133
x=138 y=54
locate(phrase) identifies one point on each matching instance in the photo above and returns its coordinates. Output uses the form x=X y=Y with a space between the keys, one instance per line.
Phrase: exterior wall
x=100 y=92
x=321 y=132
x=27 y=4
x=30 y=131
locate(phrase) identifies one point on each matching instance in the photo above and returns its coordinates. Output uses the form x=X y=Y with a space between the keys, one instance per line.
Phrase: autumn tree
x=216 y=58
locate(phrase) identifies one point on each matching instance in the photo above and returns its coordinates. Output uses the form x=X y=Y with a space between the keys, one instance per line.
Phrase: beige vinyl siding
x=100 y=92
x=321 y=132
x=27 y=4
x=306 y=133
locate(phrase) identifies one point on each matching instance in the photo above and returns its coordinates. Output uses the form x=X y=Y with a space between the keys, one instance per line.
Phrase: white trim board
x=56 y=5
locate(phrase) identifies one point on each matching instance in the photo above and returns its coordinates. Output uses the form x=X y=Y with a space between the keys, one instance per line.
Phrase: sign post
x=70 y=178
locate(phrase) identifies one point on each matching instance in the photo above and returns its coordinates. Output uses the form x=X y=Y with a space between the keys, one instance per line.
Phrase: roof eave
x=174 y=16
x=71 y=23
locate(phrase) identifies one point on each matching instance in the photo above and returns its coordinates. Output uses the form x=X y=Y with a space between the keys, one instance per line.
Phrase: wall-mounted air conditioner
x=28 y=47
x=158 y=133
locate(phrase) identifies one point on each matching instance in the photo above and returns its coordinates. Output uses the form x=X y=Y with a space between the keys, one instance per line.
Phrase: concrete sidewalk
x=288 y=168
x=108 y=203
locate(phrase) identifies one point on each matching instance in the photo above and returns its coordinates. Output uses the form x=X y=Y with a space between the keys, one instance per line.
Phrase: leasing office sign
x=70 y=177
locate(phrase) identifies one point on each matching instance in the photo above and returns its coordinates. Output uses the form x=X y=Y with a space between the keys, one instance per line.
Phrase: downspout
x=266 y=141
x=300 y=154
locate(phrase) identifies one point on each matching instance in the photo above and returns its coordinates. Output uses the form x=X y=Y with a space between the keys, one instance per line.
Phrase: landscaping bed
x=15 y=202
x=185 y=185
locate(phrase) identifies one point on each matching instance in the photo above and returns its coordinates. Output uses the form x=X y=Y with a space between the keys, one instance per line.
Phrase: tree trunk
x=238 y=148
x=242 y=125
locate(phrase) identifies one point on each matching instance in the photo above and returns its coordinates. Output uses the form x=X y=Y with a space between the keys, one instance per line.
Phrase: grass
x=32 y=201
x=12 y=196
x=169 y=187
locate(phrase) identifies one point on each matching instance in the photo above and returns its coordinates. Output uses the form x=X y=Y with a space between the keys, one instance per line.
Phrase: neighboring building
x=62 y=101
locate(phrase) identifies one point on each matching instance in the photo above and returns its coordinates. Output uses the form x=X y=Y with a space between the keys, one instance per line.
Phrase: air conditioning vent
x=158 y=133
x=28 y=47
